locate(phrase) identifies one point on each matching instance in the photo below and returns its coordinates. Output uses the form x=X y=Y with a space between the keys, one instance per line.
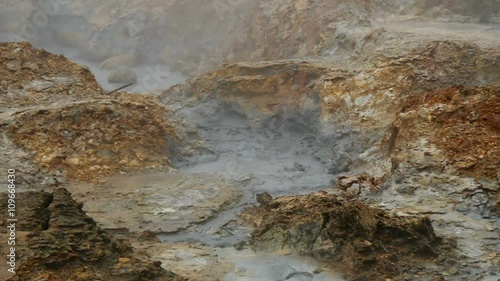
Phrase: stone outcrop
x=462 y=123
x=57 y=241
x=258 y=91
x=71 y=128
x=365 y=242
x=451 y=131
x=329 y=100
x=33 y=76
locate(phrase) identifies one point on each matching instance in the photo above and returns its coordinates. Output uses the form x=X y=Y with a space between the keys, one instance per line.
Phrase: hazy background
x=185 y=37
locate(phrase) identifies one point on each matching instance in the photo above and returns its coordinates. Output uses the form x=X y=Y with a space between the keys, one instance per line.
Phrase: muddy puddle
x=251 y=266
x=273 y=158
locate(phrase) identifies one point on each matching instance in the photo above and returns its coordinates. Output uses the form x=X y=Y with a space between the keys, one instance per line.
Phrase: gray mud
x=271 y=156
x=251 y=266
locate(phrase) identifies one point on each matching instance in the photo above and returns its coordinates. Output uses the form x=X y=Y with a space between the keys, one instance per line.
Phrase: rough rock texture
x=367 y=243
x=463 y=123
x=57 y=241
x=375 y=94
x=72 y=129
x=386 y=82
x=259 y=91
x=158 y=203
x=34 y=77
x=451 y=131
x=92 y=138
x=332 y=100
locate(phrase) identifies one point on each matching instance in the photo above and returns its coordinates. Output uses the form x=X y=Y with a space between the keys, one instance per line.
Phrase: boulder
x=122 y=74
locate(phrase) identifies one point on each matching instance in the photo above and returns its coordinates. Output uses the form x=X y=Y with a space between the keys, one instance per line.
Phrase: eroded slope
x=57 y=241
x=72 y=129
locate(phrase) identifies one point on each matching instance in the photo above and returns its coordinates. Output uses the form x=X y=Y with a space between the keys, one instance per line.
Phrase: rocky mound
x=365 y=242
x=93 y=138
x=68 y=127
x=259 y=91
x=34 y=76
x=57 y=241
x=373 y=96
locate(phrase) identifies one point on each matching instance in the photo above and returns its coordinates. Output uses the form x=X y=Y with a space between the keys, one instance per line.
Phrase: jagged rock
x=264 y=198
x=461 y=122
x=65 y=244
x=98 y=137
x=365 y=242
x=260 y=91
x=33 y=76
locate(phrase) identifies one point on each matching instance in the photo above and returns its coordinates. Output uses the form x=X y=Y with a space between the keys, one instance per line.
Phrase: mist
x=264 y=125
x=177 y=39
x=173 y=38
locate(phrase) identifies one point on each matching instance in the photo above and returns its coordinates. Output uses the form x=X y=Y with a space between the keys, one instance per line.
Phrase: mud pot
x=274 y=140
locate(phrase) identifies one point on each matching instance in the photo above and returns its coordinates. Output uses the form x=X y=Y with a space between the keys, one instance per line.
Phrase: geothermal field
x=252 y=140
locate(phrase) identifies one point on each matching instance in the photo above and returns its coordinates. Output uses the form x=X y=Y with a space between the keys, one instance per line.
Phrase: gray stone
x=122 y=74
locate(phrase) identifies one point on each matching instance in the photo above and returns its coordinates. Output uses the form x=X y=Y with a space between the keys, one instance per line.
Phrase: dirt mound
x=92 y=138
x=68 y=127
x=365 y=242
x=57 y=241
x=34 y=76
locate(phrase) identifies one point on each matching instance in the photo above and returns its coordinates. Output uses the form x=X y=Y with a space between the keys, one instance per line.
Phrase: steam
x=187 y=37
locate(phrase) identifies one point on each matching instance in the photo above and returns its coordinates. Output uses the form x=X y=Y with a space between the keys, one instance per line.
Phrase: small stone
x=264 y=198
x=122 y=74
x=453 y=270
